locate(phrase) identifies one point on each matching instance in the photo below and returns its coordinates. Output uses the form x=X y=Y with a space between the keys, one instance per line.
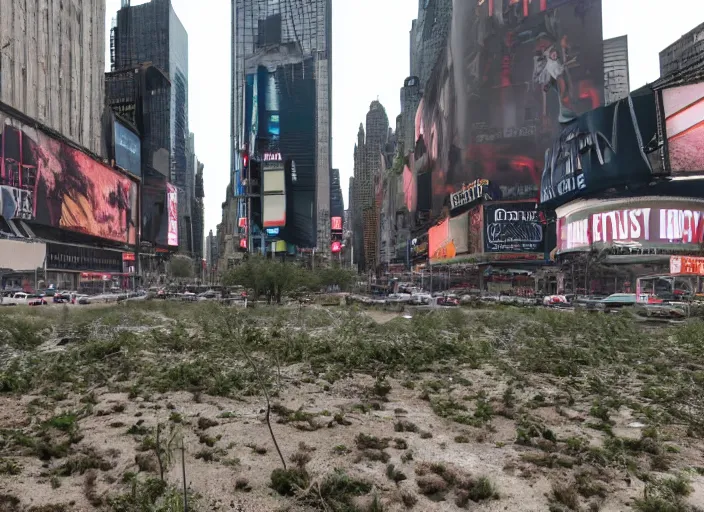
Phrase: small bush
x=287 y=481
x=206 y=423
x=365 y=441
x=242 y=484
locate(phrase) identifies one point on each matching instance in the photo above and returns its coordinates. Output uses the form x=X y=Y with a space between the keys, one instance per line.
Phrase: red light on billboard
x=245 y=160
x=336 y=223
x=335 y=247
x=128 y=256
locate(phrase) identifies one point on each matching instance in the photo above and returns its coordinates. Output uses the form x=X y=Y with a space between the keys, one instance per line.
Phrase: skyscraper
x=152 y=32
x=281 y=106
x=368 y=159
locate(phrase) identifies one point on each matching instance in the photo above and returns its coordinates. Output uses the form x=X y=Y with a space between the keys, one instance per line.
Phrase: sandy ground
x=485 y=450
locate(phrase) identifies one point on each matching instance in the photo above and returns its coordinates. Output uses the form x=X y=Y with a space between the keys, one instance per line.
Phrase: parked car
x=36 y=300
x=617 y=300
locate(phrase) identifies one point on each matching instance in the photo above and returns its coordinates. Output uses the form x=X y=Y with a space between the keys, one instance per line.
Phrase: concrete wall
x=52 y=63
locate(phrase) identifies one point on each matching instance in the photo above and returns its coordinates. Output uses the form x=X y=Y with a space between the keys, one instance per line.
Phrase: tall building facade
x=152 y=33
x=369 y=162
x=684 y=52
x=60 y=89
x=281 y=105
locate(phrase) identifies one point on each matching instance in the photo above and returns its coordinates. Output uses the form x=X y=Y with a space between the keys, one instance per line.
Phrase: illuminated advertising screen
x=128 y=149
x=48 y=182
x=644 y=223
x=336 y=224
x=684 y=126
x=441 y=246
x=419 y=248
x=172 y=206
x=513 y=71
x=513 y=228
x=687 y=265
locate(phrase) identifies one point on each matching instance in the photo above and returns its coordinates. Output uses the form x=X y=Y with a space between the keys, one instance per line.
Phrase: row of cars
x=38 y=298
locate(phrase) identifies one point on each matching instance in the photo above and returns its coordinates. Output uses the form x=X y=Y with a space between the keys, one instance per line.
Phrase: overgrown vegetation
x=473 y=372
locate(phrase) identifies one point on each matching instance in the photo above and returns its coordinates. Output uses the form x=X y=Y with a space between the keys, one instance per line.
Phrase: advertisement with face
x=172 y=205
x=511 y=74
x=48 y=182
x=684 y=126
x=513 y=228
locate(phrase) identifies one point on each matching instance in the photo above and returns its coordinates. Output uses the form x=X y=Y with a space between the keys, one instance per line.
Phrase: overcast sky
x=370 y=61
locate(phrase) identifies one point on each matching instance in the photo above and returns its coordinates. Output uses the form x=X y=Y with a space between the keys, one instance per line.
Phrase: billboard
x=128 y=149
x=634 y=223
x=48 y=182
x=687 y=265
x=154 y=210
x=172 y=207
x=440 y=245
x=601 y=149
x=513 y=228
x=512 y=72
x=449 y=238
x=419 y=248
x=683 y=108
x=336 y=224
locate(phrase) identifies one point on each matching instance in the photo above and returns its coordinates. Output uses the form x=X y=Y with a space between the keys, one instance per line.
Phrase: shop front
x=605 y=245
x=87 y=269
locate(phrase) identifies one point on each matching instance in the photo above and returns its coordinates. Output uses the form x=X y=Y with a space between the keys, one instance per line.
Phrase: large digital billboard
x=633 y=223
x=513 y=228
x=601 y=149
x=512 y=72
x=154 y=209
x=128 y=149
x=172 y=207
x=684 y=126
x=49 y=182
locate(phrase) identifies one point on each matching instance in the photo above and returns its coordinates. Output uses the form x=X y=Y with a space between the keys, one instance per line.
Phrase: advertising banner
x=128 y=149
x=469 y=194
x=419 y=248
x=336 y=224
x=601 y=149
x=155 y=215
x=274 y=211
x=687 y=265
x=513 y=228
x=513 y=71
x=459 y=232
x=684 y=127
x=48 y=182
x=662 y=223
x=172 y=206
x=441 y=247
x=67 y=257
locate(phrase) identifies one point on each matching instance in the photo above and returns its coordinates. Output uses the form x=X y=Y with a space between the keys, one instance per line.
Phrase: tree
x=271 y=278
x=336 y=276
x=181 y=266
